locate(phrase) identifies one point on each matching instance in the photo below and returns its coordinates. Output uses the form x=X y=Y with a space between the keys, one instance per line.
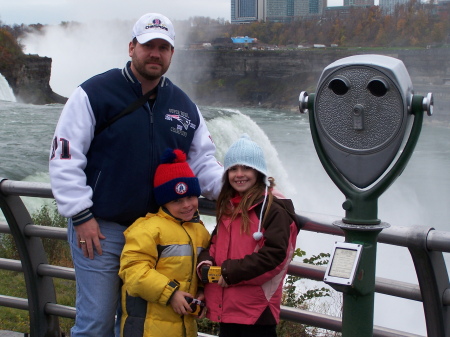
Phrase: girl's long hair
x=225 y=207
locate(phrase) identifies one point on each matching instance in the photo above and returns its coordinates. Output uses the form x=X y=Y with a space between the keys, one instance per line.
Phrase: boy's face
x=183 y=208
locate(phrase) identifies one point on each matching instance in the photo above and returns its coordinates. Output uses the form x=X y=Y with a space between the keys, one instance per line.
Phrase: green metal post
x=358 y=302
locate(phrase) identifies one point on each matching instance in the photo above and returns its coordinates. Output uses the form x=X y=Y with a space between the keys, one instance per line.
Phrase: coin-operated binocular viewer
x=365 y=122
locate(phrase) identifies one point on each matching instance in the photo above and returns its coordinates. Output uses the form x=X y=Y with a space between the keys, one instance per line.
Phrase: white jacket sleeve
x=71 y=142
x=203 y=162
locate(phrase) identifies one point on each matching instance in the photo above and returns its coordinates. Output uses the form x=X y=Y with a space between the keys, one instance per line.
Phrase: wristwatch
x=174 y=284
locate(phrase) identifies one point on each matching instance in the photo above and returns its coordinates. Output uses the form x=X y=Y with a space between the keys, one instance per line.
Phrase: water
x=420 y=196
x=6 y=93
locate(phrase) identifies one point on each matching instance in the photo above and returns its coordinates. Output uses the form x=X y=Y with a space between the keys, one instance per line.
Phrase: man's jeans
x=98 y=284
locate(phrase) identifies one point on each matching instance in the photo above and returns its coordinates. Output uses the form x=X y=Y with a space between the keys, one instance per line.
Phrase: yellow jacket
x=158 y=250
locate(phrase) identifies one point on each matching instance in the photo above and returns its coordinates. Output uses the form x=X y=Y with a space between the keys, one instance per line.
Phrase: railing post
x=433 y=279
x=40 y=289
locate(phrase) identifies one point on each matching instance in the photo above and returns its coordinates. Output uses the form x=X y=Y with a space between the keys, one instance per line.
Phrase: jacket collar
x=237 y=199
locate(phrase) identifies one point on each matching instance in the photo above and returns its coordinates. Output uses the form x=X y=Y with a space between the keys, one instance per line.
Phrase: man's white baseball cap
x=154 y=26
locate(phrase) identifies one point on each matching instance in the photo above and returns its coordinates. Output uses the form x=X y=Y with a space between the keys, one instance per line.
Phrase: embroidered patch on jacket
x=183 y=122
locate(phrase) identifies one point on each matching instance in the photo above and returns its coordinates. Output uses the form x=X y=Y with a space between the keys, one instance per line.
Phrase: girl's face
x=242 y=178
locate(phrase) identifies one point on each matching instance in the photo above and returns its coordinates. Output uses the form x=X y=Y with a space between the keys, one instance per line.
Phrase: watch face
x=173 y=284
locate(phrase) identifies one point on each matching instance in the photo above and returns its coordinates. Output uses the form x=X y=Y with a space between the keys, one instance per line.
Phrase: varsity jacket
x=111 y=174
x=159 y=249
x=254 y=270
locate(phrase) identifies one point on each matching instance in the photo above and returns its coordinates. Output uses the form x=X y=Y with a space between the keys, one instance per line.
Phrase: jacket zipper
x=193 y=254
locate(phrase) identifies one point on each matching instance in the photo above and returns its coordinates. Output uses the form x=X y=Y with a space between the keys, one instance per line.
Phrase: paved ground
x=5 y=333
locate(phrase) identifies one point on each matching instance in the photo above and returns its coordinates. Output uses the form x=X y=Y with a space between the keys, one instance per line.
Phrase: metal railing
x=425 y=245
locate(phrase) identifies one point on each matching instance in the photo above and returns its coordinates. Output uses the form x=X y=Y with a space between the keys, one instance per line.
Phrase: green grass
x=13 y=284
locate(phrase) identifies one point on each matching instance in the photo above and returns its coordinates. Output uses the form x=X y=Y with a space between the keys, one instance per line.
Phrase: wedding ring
x=82 y=242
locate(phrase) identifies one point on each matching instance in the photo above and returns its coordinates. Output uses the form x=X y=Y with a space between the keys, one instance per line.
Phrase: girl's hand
x=201 y=297
x=222 y=282
x=179 y=304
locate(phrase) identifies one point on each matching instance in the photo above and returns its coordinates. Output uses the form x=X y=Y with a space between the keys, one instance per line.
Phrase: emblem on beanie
x=181 y=188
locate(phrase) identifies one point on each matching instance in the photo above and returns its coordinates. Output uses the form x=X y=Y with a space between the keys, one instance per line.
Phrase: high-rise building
x=245 y=11
x=389 y=5
x=359 y=3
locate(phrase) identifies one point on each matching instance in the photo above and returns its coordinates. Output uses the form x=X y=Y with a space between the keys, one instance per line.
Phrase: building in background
x=243 y=39
x=389 y=5
x=247 y=11
x=364 y=3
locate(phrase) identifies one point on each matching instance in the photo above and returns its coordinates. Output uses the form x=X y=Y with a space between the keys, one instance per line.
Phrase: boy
x=158 y=261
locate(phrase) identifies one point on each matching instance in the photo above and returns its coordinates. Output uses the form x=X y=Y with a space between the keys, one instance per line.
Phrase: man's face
x=151 y=60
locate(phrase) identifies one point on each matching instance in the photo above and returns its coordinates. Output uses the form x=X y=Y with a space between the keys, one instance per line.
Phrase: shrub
x=58 y=251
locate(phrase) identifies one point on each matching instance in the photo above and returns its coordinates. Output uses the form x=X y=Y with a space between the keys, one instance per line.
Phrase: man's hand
x=88 y=237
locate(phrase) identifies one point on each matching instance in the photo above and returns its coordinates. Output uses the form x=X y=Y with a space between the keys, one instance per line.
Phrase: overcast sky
x=55 y=11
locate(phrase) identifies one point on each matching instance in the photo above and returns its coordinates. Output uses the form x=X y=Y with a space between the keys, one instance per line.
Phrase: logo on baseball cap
x=154 y=26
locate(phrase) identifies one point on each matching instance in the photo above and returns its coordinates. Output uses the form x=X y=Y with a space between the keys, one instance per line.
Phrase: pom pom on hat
x=174 y=178
x=246 y=152
x=173 y=156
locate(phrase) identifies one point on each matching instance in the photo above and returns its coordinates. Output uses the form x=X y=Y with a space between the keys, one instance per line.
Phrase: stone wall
x=275 y=78
x=235 y=78
x=30 y=80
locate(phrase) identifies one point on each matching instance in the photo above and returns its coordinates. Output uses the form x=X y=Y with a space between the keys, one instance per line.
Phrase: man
x=102 y=172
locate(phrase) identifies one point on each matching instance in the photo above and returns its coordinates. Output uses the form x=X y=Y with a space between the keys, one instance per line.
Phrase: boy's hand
x=179 y=304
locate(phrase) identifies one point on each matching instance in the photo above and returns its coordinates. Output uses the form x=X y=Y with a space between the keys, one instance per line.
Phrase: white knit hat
x=246 y=152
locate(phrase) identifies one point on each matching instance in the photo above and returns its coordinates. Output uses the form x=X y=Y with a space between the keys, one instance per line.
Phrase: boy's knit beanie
x=246 y=152
x=174 y=178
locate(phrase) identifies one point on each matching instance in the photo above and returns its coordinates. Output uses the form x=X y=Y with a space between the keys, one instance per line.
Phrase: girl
x=253 y=244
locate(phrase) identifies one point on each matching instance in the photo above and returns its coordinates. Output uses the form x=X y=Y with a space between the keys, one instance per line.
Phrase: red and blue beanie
x=174 y=178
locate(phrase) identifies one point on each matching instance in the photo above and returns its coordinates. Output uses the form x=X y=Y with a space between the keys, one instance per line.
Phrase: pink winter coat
x=254 y=270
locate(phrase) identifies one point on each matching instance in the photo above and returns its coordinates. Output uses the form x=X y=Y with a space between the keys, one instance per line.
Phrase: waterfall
x=227 y=125
x=6 y=93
